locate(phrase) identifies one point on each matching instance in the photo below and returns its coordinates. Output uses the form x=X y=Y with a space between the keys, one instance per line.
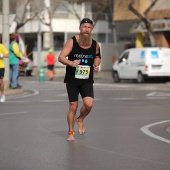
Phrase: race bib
x=82 y=72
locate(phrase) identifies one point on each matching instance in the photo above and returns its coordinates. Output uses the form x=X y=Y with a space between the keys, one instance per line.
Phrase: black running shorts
x=2 y=71
x=50 y=67
x=85 y=90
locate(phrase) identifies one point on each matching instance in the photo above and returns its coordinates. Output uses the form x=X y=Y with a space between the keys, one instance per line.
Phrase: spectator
x=50 y=59
x=15 y=55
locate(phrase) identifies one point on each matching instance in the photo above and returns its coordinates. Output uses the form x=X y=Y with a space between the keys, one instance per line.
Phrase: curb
x=10 y=92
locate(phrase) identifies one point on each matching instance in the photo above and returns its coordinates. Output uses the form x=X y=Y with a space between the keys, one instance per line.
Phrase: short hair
x=50 y=50
x=13 y=36
x=86 y=20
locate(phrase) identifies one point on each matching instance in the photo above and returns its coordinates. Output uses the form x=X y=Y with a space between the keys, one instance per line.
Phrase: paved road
x=126 y=130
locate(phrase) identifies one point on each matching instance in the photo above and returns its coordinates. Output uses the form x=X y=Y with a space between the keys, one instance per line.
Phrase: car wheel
x=140 y=78
x=116 y=77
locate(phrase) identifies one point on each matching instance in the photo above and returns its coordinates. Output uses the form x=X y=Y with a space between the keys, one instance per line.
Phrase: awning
x=157 y=25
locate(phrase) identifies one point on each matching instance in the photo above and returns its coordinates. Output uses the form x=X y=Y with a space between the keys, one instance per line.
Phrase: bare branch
x=132 y=9
x=149 y=8
x=19 y=25
x=145 y=19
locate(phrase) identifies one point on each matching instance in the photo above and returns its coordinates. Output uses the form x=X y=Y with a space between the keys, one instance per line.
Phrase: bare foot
x=70 y=138
x=81 y=128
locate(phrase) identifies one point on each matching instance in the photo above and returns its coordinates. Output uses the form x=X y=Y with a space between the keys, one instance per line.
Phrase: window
x=124 y=57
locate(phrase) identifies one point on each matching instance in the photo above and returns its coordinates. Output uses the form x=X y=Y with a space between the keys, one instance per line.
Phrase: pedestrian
x=81 y=55
x=50 y=59
x=3 y=54
x=15 y=55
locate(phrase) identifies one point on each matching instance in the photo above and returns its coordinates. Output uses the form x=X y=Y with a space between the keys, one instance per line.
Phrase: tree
x=49 y=9
x=144 y=18
x=39 y=9
x=100 y=10
x=21 y=14
x=99 y=7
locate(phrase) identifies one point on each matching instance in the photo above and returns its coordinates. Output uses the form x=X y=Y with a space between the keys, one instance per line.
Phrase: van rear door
x=166 y=62
x=155 y=62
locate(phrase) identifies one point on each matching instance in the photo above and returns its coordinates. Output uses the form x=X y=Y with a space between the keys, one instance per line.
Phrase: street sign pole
x=5 y=37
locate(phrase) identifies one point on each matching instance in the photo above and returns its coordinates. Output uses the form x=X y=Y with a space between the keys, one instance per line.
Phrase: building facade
x=159 y=15
x=64 y=25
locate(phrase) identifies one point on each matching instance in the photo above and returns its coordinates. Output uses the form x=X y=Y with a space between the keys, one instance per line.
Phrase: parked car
x=142 y=63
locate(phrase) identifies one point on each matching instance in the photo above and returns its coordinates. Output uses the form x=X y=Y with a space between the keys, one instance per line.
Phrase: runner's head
x=86 y=27
x=86 y=20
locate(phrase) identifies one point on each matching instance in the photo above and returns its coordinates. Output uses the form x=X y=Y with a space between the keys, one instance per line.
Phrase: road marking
x=13 y=113
x=157 y=98
x=16 y=101
x=158 y=94
x=48 y=101
x=151 y=94
x=123 y=98
x=145 y=129
x=35 y=92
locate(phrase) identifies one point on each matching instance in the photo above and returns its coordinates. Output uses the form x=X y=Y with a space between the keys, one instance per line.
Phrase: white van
x=142 y=63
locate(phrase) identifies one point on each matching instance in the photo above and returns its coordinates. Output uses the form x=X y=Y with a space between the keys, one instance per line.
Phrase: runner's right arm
x=65 y=52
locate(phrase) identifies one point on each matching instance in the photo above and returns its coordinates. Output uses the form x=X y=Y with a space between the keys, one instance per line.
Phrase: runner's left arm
x=97 y=59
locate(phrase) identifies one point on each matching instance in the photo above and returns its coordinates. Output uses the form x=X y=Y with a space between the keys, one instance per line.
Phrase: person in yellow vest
x=3 y=54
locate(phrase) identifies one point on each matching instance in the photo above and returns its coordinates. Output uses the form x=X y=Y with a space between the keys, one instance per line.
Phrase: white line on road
x=48 y=101
x=145 y=129
x=123 y=98
x=3 y=114
x=154 y=98
x=35 y=92
x=158 y=94
x=16 y=101
x=151 y=94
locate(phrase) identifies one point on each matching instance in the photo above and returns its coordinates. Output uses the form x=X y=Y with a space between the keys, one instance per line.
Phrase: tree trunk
x=152 y=38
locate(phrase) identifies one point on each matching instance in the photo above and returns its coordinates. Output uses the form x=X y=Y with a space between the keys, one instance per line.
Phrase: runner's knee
x=73 y=107
x=88 y=105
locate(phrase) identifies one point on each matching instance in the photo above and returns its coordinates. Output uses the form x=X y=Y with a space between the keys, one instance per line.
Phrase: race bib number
x=82 y=72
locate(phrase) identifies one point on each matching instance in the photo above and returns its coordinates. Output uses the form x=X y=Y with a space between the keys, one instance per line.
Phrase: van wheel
x=116 y=77
x=140 y=78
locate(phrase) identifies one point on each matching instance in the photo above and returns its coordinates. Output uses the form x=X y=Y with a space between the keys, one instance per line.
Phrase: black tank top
x=86 y=56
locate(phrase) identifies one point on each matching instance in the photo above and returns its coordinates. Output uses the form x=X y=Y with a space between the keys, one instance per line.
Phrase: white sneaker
x=2 y=98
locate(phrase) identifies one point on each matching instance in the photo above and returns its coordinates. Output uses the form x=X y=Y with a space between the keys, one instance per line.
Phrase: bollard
x=41 y=76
